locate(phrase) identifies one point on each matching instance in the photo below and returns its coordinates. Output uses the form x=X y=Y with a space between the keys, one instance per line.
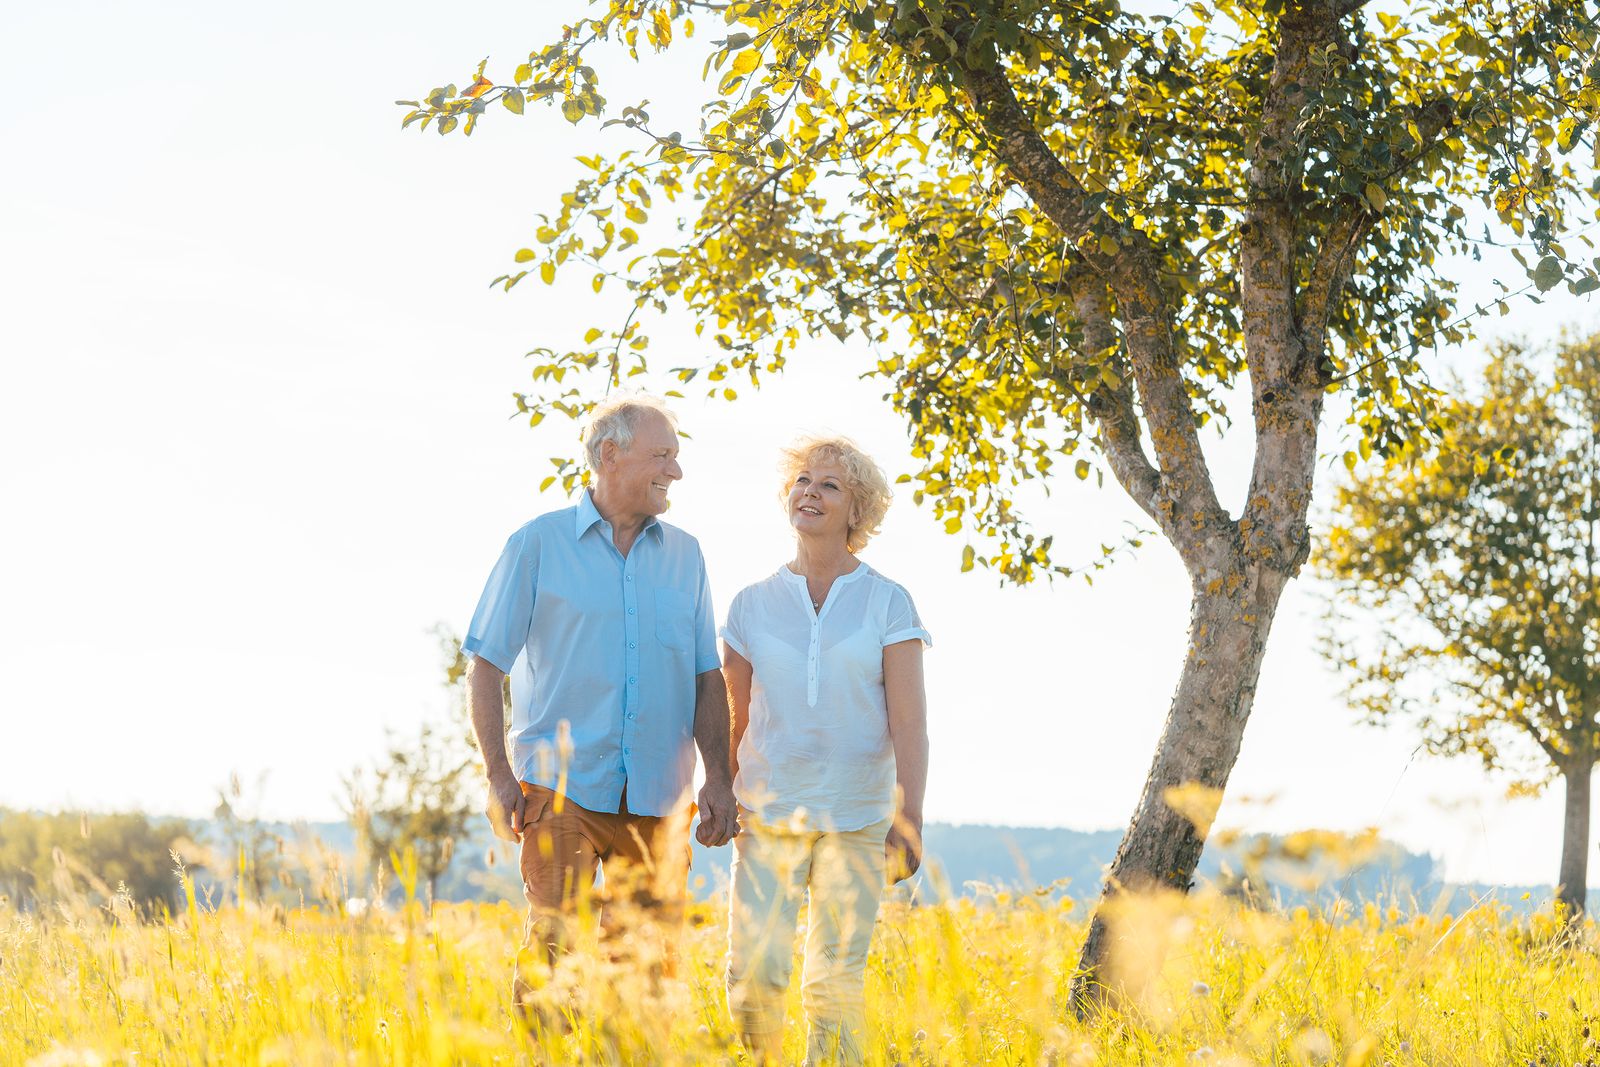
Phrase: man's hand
x=719 y=815
x=506 y=804
x=902 y=850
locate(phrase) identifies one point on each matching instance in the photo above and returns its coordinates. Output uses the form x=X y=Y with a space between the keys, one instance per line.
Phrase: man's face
x=637 y=478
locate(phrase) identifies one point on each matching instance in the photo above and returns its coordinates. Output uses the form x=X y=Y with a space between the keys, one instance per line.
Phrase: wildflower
x=1200 y=989
x=1202 y=1053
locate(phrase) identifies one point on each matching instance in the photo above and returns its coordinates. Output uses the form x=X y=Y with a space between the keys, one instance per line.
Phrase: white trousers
x=773 y=871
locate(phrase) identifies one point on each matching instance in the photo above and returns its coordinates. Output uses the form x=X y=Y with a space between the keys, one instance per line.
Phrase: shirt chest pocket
x=675 y=619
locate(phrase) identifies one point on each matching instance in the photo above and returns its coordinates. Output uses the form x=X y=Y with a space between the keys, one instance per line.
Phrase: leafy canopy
x=873 y=169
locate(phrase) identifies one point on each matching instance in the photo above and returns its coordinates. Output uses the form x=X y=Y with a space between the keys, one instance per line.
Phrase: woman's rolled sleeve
x=901 y=622
x=733 y=630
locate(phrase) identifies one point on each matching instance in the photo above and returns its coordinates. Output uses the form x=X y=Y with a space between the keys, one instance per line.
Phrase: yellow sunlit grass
x=1211 y=980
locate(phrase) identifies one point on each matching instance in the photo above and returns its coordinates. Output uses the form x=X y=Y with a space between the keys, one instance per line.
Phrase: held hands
x=506 y=805
x=719 y=815
x=902 y=850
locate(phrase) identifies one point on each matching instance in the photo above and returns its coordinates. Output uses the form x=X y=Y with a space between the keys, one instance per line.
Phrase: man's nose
x=674 y=471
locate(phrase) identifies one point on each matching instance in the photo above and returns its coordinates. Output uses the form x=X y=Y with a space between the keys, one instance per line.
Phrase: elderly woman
x=824 y=668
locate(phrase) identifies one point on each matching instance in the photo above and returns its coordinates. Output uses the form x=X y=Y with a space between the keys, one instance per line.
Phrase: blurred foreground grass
x=1209 y=980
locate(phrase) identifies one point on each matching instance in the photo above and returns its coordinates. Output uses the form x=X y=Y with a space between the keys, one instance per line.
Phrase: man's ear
x=608 y=453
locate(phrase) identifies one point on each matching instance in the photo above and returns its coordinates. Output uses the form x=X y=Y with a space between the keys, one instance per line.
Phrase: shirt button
x=630 y=611
x=627 y=752
x=632 y=645
x=630 y=577
x=633 y=681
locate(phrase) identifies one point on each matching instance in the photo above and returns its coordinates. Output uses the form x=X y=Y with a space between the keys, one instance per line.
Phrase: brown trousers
x=646 y=863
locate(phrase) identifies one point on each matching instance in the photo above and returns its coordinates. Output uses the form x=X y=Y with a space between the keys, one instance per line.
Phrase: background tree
x=75 y=855
x=1067 y=228
x=252 y=851
x=1480 y=564
x=420 y=794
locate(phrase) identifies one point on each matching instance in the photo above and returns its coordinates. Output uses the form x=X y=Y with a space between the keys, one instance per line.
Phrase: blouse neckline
x=799 y=582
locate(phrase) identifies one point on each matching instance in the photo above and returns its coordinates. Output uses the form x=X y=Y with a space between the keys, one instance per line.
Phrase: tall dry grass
x=1208 y=980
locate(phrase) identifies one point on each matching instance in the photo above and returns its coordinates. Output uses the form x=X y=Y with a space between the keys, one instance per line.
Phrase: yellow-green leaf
x=547 y=271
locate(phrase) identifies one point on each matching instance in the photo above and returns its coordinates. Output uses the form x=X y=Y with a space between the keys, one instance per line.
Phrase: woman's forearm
x=907 y=702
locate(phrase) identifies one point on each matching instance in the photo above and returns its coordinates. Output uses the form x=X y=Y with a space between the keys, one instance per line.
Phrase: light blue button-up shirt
x=607 y=644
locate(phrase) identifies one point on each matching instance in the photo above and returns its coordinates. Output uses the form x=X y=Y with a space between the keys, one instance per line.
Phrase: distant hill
x=962 y=860
x=968 y=859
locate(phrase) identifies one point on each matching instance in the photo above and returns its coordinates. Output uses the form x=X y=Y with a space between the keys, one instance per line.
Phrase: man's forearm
x=484 y=691
x=711 y=729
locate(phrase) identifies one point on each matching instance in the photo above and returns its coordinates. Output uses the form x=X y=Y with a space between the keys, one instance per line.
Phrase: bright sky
x=254 y=413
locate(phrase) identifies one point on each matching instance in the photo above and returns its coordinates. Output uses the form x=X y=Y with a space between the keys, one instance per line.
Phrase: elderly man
x=601 y=613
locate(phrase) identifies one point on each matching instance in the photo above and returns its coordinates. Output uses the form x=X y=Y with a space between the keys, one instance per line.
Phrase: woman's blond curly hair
x=864 y=481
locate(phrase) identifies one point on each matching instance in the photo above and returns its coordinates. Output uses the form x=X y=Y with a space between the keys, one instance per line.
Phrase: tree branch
x=1285 y=380
x=1331 y=270
x=1113 y=407
x=1189 y=503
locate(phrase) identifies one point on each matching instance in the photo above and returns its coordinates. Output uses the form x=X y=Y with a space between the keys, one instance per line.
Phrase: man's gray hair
x=616 y=418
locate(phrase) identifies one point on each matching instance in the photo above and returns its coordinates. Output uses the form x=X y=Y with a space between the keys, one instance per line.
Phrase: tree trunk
x=1230 y=616
x=1573 y=884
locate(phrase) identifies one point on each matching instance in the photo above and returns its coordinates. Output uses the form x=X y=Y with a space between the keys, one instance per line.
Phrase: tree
x=419 y=795
x=1068 y=230
x=1480 y=564
x=51 y=858
x=253 y=850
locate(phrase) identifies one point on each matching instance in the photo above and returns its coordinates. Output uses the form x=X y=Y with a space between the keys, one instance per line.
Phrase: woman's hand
x=902 y=849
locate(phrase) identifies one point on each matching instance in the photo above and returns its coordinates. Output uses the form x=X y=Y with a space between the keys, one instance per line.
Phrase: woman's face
x=819 y=502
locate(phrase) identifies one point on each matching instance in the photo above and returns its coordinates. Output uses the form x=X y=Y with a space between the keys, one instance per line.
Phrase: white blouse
x=816 y=753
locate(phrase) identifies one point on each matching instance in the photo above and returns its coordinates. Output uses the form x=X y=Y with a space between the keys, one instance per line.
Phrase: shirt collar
x=587 y=515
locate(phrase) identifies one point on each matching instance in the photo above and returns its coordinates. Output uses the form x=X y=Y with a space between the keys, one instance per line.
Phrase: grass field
x=1209 y=981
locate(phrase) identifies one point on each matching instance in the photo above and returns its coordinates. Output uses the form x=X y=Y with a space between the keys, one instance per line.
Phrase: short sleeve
x=901 y=622
x=705 y=627
x=500 y=625
x=733 y=631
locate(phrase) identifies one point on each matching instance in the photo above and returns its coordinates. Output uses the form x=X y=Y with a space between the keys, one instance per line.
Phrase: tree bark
x=1573 y=883
x=1230 y=616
